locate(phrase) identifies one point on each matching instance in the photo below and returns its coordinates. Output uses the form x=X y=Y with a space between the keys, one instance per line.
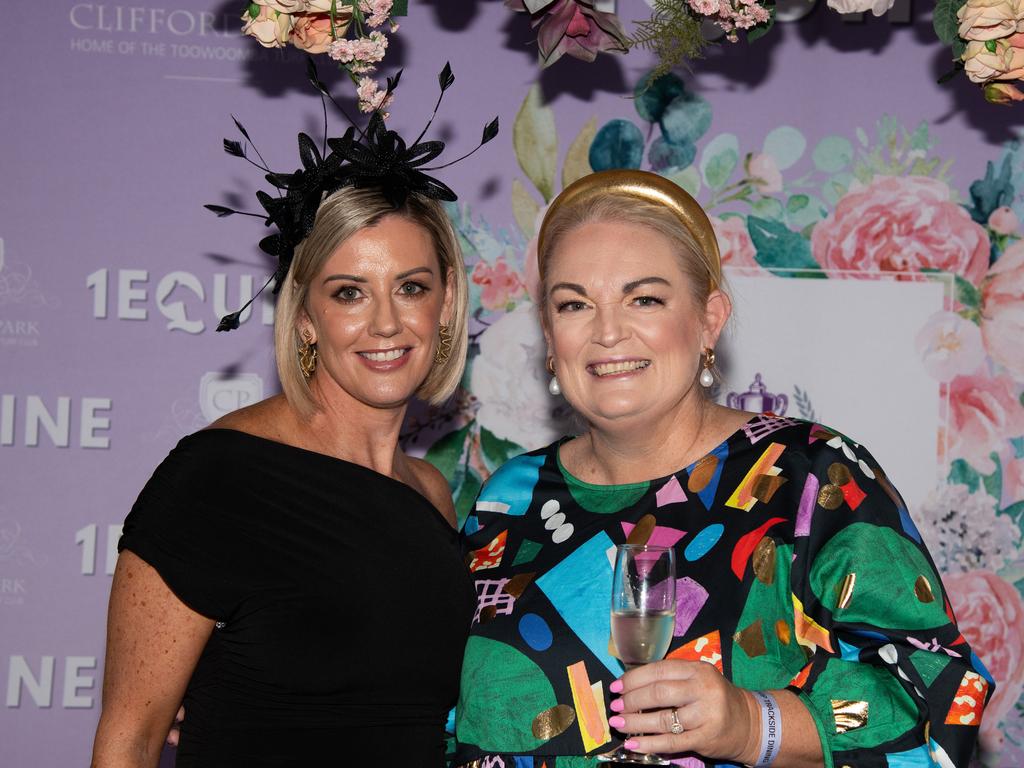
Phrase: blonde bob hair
x=637 y=197
x=340 y=216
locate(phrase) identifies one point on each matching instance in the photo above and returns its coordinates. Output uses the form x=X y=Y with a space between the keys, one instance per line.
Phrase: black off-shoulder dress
x=342 y=603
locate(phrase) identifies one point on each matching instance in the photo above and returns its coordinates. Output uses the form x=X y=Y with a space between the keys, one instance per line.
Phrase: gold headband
x=642 y=185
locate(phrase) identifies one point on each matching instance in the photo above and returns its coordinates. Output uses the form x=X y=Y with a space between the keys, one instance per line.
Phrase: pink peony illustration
x=901 y=224
x=984 y=413
x=991 y=617
x=949 y=346
x=1002 y=310
x=735 y=245
x=499 y=284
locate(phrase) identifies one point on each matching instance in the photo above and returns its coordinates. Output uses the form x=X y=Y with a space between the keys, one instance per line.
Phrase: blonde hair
x=340 y=216
x=703 y=270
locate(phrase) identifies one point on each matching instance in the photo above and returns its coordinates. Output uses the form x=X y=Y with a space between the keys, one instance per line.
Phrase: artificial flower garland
x=322 y=26
x=986 y=36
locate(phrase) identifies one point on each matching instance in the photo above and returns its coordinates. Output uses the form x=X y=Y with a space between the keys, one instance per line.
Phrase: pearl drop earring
x=553 y=386
x=706 y=377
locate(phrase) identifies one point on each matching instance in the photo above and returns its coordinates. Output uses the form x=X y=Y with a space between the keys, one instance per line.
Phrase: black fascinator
x=370 y=157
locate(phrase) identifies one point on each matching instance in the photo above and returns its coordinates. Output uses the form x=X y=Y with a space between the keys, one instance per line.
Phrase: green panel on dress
x=572 y=761
x=929 y=665
x=500 y=694
x=527 y=551
x=607 y=499
x=892 y=712
x=887 y=565
x=770 y=603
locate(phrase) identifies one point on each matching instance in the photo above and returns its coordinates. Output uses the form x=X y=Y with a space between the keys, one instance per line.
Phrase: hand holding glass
x=643 y=617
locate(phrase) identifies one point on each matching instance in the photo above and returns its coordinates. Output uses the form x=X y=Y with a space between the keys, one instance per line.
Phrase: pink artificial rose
x=499 y=283
x=1003 y=221
x=735 y=245
x=312 y=32
x=991 y=617
x=765 y=174
x=984 y=413
x=901 y=224
x=1002 y=310
x=949 y=346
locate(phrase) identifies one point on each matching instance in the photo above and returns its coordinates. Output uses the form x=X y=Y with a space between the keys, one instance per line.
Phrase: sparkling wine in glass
x=643 y=617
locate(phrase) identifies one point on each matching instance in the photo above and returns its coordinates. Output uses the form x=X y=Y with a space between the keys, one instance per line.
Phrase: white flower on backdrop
x=510 y=381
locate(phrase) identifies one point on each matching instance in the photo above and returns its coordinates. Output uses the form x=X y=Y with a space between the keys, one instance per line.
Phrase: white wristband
x=771 y=729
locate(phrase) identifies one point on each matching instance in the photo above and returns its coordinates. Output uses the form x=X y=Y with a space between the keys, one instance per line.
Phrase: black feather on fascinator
x=370 y=157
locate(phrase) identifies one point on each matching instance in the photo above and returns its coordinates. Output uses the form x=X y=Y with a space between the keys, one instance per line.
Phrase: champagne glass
x=643 y=617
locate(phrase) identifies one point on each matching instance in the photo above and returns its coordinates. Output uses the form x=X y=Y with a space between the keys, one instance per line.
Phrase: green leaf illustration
x=577 y=158
x=535 y=140
x=524 y=208
x=496 y=450
x=446 y=453
x=967 y=294
x=779 y=248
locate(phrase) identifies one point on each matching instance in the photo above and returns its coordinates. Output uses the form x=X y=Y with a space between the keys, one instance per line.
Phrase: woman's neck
x=617 y=454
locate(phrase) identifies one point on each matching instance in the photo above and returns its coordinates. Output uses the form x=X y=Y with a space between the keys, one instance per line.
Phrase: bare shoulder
x=435 y=487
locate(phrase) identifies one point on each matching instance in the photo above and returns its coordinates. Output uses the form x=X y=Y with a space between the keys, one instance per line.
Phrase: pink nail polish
x=616 y=687
x=616 y=705
x=631 y=744
x=616 y=722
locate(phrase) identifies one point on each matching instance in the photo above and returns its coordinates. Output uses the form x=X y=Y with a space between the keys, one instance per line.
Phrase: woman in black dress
x=289 y=572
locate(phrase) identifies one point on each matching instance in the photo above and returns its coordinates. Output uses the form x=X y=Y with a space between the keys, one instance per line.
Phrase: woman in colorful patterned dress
x=806 y=599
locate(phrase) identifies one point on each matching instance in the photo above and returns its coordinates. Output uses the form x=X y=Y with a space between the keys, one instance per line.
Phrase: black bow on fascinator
x=370 y=157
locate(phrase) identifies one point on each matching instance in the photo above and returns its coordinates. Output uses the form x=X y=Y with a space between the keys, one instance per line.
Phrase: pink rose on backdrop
x=1013 y=481
x=991 y=617
x=499 y=284
x=1002 y=310
x=949 y=346
x=901 y=224
x=735 y=245
x=984 y=413
x=987 y=19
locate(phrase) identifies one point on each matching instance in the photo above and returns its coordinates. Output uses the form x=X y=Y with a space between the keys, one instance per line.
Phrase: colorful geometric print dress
x=798 y=565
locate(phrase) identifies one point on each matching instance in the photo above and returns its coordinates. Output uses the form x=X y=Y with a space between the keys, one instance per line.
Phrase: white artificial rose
x=324 y=6
x=270 y=27
x=877 y=7
x=511 y=383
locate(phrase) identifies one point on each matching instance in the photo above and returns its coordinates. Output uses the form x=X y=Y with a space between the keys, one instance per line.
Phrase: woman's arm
x=153 y=643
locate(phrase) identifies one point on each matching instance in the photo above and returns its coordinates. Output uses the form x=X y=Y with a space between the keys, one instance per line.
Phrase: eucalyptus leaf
x=686 y=118
x=535 y=140
x=664 y=155
x=652 y=96
x=719 y=159
x=619 y=144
